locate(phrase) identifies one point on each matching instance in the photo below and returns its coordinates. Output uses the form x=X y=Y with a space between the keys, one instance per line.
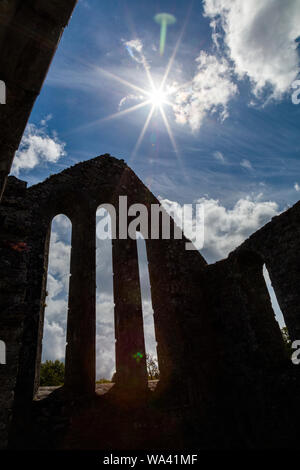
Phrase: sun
x=157 y=98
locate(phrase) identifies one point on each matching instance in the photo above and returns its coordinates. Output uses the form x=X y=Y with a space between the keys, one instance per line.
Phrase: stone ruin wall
x=15 y=226
x=224 y=339
x=30 y=31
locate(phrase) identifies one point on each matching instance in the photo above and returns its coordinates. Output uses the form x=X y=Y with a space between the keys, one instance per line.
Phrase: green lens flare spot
x=164 y=19
x=138 y=356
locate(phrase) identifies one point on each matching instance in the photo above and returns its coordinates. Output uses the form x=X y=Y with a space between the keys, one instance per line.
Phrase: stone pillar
x=176 y=301
x=130 y=343
x=81 y=329
x=14 y=227
x=165 y=303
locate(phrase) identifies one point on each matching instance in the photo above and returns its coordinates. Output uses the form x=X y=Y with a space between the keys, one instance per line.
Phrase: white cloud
x=134 y=48
x=130 y=97
x=54 y=286
x=260 y=38
x=55 y=343
x=219 y=156
x=37 y=146
x=105 y=336
x=225 y=229
x=297 y=187
x=135 y=44
x=46 y=119
x=59 y=261
x=246 y=164
x=210 y=91
x=57 y=289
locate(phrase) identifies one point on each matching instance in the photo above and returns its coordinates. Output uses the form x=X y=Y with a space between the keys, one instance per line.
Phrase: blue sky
x=76 y=93
x=234 y=127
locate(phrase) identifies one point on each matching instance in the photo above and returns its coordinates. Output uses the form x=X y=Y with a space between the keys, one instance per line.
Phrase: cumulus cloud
x=210 y=91
x=57 y=289
x=297 y=187
x=59 y=260
x=260 y=37
x=245 y=47
x=55 y=344
x=105 y=334
x=225 y=229
x=37 y=146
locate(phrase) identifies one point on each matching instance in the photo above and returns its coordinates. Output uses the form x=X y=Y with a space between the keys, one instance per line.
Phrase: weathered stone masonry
x=224 y=368
x=30 y=31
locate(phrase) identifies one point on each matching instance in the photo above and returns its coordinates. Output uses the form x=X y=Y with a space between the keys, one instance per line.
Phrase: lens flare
x=157 y=98
x=154 y=97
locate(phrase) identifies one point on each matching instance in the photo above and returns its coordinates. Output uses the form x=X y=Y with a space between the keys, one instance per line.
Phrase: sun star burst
x=157 y=97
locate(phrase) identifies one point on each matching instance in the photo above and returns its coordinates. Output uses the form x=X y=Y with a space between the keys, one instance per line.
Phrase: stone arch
x=43 y=232
x=105 y=321
x=148 y=317
x=278 y=243
x=284 y=273
x=255 y=296
x=77 y=192
x=43 y=316
x=276 y=307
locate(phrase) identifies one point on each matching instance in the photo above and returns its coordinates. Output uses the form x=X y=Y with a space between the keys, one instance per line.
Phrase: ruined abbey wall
x=30 y=31
x=222 y=359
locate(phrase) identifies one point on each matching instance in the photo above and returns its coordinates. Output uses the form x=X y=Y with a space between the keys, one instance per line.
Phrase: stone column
x=81 y=329
x=164 y=294
x=176 y=301
x=130 y=343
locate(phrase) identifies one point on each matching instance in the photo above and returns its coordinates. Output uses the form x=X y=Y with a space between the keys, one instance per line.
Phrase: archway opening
x=148 y=318
x=276 y=308
x=56 y=307
x=105 y=323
